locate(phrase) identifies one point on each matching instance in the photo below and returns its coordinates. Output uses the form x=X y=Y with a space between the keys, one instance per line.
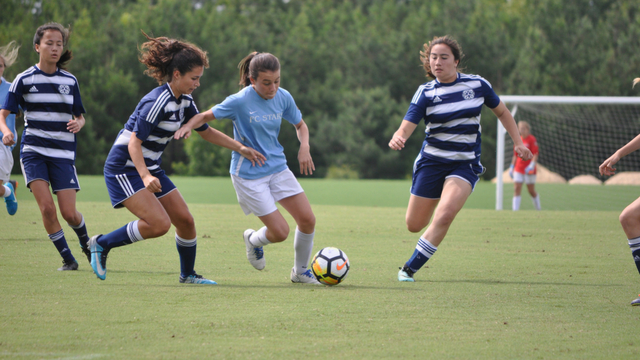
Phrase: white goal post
x=540 y=103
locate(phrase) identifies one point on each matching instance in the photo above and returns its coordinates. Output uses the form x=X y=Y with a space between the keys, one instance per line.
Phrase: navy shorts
x=123 y=186
x=59 y=174
x=429 y=176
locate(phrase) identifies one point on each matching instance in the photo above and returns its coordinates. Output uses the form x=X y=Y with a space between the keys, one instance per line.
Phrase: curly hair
x=456 y=50
x=162 y=56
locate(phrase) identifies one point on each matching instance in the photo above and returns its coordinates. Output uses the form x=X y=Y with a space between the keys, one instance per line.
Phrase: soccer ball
x=330 y=266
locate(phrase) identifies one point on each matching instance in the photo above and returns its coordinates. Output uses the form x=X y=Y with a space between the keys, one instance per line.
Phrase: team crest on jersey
x=437 y=99
x=181 y=114
x=468 y=94
x=64 y=89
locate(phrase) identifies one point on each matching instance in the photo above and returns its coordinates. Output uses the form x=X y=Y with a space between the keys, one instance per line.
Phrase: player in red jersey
x=525 y=170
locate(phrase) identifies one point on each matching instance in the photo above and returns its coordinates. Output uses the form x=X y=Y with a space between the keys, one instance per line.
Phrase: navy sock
x=423 y=252
x=187 y=252
x=634 y=244
x=61 y=244
x=81 y=231
x=126 y=235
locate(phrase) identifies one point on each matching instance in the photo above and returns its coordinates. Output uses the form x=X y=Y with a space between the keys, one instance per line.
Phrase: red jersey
x=532 y=144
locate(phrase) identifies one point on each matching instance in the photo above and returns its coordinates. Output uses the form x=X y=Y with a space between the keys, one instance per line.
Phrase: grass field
x=527 y=285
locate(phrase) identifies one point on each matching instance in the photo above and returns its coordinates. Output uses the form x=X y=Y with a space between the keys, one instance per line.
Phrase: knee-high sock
x=303 y=246
x=126 y=235
x=61 y=244
x=423 y=252
x=536 y=202
x=259 y=237
x=634 y=244
x=515 y=203
x=81 y=231
x=187 y=252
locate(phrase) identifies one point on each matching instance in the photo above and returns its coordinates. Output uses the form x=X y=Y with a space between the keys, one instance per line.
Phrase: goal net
x=575 y=135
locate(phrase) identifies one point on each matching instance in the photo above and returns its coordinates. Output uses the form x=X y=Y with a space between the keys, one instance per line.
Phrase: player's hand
x=252 y=155
x=306 y=163
x=397 y=142
x=183 y=132
x=74 y=125
x=607 y=166
x=523 y=153
x=152 y=183
x=511 y=171
x=530 y=168
x=7 y=139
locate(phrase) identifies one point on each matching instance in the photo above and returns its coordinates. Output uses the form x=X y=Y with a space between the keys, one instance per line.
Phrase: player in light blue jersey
x=630 y=216
x=448 y=166
x=257 y=112
x=132 y=171
x=8 y=187
x=50 y=98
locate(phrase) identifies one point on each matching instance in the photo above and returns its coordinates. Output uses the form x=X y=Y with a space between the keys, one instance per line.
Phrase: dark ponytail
x=255 y=63
x=67 y=55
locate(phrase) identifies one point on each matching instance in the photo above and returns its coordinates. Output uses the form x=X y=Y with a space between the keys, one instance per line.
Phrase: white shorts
x=523 y=178
x=6 y=163
x=259 y=196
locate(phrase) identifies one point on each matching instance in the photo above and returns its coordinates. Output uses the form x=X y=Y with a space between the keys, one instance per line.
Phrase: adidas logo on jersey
x=73 y=181
x=173 y=117
x=636 y=258
x=437 y=99
x=33 y=89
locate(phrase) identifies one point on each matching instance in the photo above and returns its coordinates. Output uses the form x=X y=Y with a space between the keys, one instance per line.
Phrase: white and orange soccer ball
x=330 y=266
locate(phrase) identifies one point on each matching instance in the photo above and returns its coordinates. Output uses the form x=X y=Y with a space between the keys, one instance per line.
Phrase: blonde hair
x=9 y=53
x=635 y=81
x=525 y=124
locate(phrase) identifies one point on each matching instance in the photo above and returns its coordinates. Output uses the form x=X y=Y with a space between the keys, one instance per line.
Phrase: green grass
x=530 y=285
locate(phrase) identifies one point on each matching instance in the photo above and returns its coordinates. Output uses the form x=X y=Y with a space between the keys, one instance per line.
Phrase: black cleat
x=69 y=265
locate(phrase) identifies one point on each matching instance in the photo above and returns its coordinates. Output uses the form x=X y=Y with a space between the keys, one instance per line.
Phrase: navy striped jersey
x=49 y=102
x=156 y=118
x=452 y=114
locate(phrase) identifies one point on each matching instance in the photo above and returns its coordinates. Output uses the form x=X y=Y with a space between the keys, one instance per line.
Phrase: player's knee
x=414 y=227
x=279 y=233
x=307 y=224
x=186 y=222
x=159 y=227
x=48 y=211
x=69 y=216
x=628 y=221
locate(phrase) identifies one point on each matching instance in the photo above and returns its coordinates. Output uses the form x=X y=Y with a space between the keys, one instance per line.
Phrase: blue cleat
x=255 y=254
x=10 y=201
x=196 y=279
x=98 y=258
x=306 y=277
x=636 y=302
x=405 y=274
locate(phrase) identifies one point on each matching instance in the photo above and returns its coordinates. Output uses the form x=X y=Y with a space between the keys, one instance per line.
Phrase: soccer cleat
x=10 y=201
x=69 y=265
x=98 y=258
x=255 y=254
x=86 y=251
x=636 y=302
x=406 y=274
x=304 y=278
x=196 y=279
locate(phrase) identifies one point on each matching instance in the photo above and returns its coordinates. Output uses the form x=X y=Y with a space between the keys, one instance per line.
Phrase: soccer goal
x=575 y=135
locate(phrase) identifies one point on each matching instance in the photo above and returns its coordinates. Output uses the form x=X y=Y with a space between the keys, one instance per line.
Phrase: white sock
x=515 y=204
x=536 y=202
x=7 y=191
x=303 y=246
x=259 y=238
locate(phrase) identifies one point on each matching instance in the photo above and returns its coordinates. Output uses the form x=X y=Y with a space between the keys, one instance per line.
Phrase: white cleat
x=304 y=278
x=255 y=255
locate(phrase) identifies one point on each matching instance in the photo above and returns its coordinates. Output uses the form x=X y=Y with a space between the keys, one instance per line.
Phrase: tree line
x=351 y=65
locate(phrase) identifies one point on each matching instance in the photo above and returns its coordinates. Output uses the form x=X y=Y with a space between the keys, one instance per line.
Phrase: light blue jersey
x=256 y=124
x=11 y=119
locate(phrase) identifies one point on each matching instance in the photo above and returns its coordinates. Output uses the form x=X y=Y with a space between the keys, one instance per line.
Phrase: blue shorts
x=123 y=186
x=59 y=174
x=429 y=176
